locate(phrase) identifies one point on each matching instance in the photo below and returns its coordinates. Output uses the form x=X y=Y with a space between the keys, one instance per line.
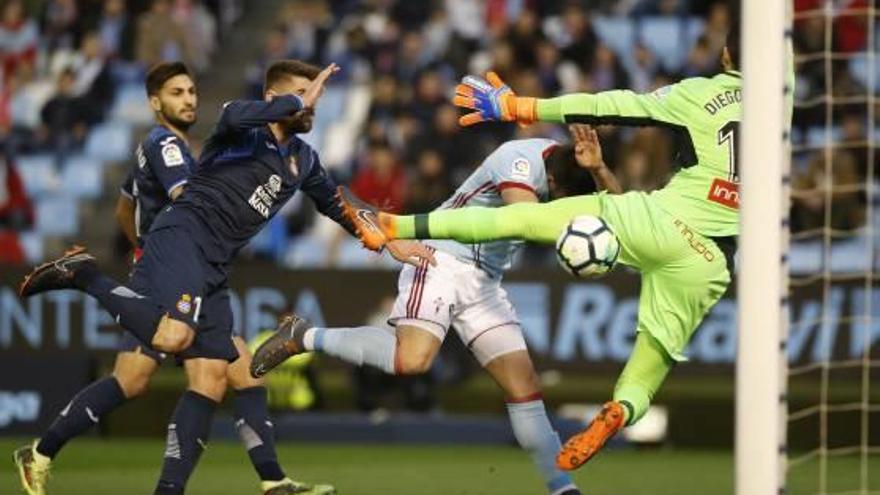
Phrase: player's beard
x=299 y=123
x=178 y=123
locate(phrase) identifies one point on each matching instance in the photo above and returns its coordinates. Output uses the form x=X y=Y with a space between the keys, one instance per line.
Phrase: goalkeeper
x=681 y=238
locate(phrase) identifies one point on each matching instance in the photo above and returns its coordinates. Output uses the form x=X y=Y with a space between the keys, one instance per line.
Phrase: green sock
x=645 y=371
x=405 y=226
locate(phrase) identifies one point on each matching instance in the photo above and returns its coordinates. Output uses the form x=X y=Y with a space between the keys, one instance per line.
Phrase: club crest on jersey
x=184 y=305
x=171 y=155
x=294 y=167
x=521 y=168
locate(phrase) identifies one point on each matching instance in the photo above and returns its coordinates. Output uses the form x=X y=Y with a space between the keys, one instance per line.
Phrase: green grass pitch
x=96 y=467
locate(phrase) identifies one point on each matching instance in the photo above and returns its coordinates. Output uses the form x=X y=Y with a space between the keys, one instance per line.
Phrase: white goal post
x=762 y=280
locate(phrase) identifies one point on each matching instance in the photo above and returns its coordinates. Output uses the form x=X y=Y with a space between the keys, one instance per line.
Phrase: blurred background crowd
x=72 y=106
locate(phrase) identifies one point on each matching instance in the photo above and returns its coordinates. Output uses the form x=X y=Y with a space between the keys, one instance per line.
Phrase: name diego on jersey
x=264 y=195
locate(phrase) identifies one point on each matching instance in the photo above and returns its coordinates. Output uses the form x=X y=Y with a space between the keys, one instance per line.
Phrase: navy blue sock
x=187 y=438
x=83 y=412
x=137 y=313
x=255 y=429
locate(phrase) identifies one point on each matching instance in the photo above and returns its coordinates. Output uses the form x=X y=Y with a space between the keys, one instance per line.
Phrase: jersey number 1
x=729 y=134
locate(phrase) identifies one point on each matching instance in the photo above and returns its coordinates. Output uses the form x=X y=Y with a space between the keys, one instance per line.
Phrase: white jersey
x=518 y=164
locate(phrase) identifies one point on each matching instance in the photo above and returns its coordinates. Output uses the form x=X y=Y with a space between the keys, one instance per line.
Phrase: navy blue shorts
x=174 y=273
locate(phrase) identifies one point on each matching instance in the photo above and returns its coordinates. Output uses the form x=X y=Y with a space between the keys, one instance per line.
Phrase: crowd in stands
x=63 y=63
x=386 y=125
x=409 y=152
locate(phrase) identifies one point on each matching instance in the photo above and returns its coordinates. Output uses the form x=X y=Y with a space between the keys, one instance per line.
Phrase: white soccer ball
x=587 y=247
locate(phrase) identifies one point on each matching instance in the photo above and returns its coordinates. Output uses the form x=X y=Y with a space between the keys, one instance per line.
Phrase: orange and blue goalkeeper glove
x=493 y=101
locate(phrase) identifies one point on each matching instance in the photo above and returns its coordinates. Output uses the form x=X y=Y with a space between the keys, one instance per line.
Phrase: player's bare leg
x=134 y=370
x=416 y=350
x=515 y=374
x=253 y=423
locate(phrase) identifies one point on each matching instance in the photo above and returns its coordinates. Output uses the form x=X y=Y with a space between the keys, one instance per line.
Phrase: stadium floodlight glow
x=763 y=312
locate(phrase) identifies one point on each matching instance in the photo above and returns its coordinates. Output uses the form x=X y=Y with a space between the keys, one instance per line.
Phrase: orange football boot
x=373 y=227
x=584 y=445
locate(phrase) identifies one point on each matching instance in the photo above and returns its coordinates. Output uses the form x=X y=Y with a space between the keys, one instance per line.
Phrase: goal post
x=762 y=271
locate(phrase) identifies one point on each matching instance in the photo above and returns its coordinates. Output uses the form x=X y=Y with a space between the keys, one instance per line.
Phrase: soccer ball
x=587 y=247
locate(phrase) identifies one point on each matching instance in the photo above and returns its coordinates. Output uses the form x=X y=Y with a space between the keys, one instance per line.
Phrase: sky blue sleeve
x=516 y=164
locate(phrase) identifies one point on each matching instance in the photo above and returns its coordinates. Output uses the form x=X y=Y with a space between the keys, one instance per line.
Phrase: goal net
x=815 y=337
x=832 y=343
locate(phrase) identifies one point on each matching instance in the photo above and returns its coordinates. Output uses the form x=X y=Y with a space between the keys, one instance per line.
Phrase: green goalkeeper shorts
x=683 y=273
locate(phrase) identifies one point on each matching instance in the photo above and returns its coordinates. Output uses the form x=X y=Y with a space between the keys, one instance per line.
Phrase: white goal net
x=833 y=389
x=808 y=370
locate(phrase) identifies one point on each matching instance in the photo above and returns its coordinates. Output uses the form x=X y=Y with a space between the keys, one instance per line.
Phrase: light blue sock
x=536 y=436
x=358 y=346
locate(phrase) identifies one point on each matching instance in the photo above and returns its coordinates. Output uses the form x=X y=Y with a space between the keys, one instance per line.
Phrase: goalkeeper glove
x=493 y=101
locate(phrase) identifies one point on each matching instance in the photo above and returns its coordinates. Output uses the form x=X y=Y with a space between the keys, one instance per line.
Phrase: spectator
x=274 y=48
x=18 y=38
x=381 y=180
x=114 y=26
x=837 y=181
x=159 y=38
x=579 y=43
x=200 y=29
x=430 y=186
x=60 y=27
x=66 y=118
x=606 y=72
x=16 y=212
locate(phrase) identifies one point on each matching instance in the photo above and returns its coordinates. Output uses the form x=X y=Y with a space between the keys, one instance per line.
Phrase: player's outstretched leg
x=515 y=374
x=357 y=345
x=645 y=371
x=77 y=269
x=539 y=223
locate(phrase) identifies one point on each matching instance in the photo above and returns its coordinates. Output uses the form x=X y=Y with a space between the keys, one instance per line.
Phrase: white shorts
x=456 y=293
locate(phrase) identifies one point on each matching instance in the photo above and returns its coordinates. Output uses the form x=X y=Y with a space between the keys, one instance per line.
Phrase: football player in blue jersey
x=159 y=175
x=177 y=299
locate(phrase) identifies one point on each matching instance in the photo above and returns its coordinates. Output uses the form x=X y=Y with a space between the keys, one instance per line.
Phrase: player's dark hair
x=570 y=178
x=734 y=35
x=160 y=73
x=283 y=69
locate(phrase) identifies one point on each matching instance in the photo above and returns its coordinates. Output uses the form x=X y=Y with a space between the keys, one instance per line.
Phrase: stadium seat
x=305 y=252
x=272 y=240
x=32 y=243
x=82 y=176
x=818 y=136
x=110 y=141
x=58 y=215
x=130 y=105
x=860 y=69
x=352 y=255
x=617 y=33
x=38 y=173
x=667 y=38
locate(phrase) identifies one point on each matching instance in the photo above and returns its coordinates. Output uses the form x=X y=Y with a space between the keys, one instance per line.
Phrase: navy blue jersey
x=245 y=176
x=164 y=162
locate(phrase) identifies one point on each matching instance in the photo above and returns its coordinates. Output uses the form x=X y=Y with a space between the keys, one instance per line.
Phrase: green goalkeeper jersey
x=705 y=114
